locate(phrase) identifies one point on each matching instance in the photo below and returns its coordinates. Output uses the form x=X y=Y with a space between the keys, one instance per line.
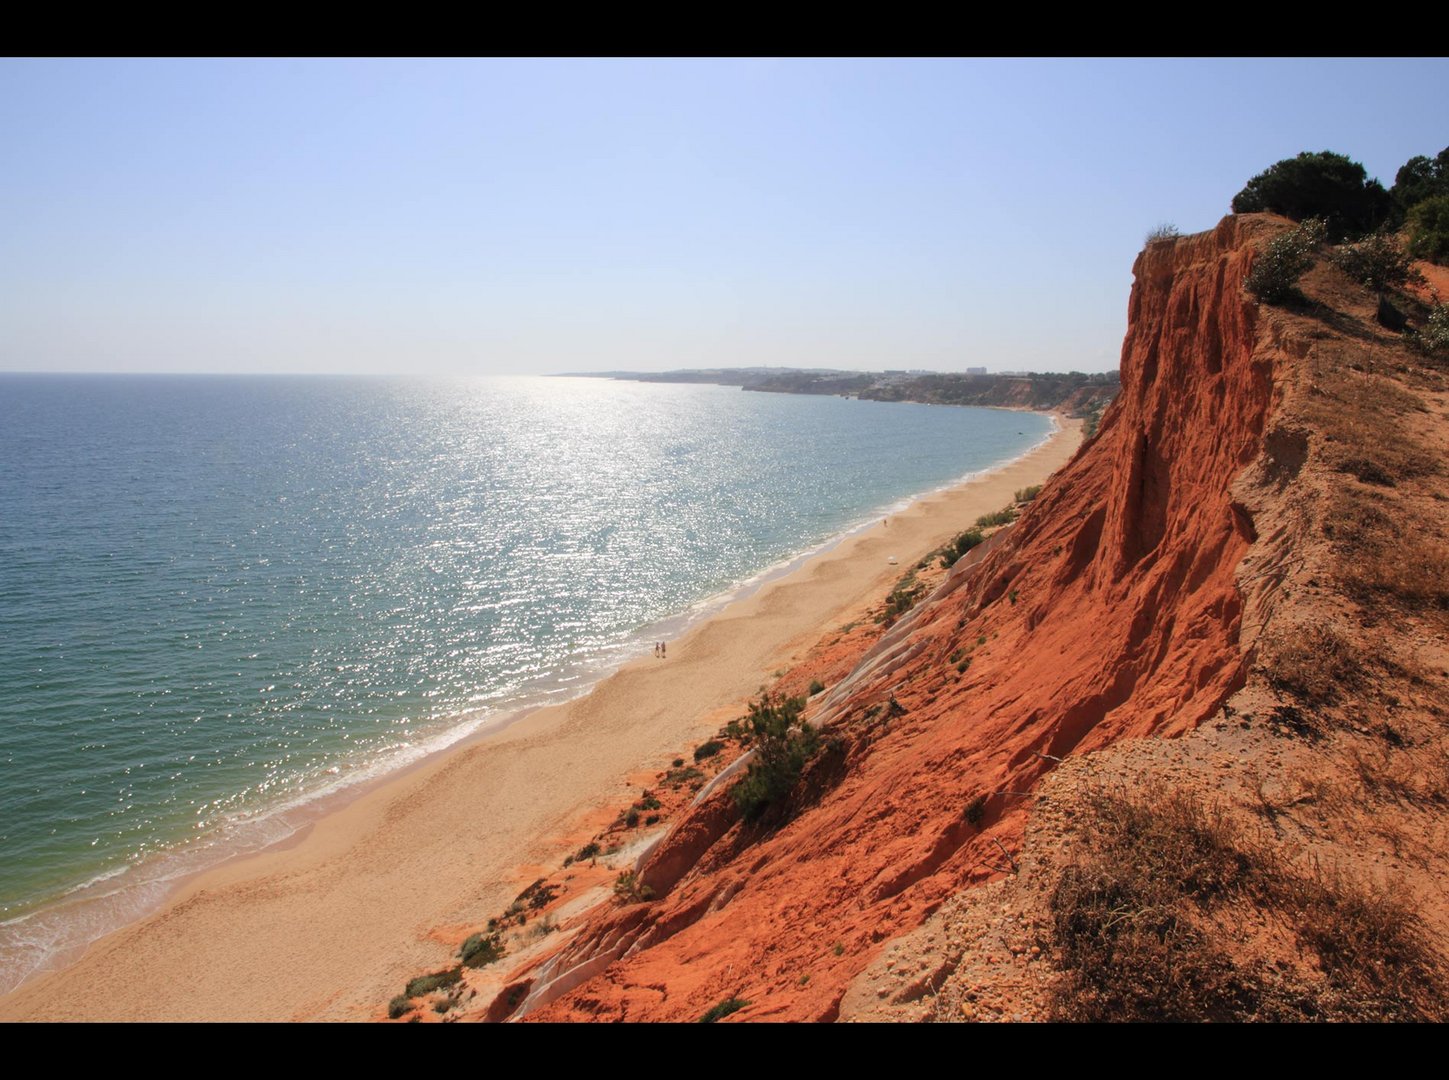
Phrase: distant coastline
x=1073 y=393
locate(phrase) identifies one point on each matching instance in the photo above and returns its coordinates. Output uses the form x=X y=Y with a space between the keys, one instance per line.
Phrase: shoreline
x=361 y=893
x=125 y=895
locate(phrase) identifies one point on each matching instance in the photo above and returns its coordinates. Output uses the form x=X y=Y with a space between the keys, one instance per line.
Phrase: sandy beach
x=331 y=924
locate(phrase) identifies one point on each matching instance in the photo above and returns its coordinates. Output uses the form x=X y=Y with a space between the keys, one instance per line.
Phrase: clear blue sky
x=530 y=216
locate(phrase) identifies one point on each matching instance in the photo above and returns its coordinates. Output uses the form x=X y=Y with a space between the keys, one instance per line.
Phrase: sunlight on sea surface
x=221 y=596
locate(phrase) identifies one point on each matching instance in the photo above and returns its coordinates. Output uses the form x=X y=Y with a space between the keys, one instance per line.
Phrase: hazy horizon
x=547 y=216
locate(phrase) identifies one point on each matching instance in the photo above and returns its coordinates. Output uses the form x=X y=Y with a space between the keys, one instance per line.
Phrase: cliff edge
x=1158 y=586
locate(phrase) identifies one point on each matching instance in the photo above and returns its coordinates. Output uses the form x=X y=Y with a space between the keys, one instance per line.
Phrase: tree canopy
x=1421 y=178
x=1323 y=185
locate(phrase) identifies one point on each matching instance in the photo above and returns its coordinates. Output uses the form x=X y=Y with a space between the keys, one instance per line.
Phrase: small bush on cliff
x=1286 y=258
x=704 y=750
x=481 y=949
x=783 y=743
x=628 y=889
x=426 y=984
x=1434 y=338
x=902 y=598
x=1005 y=516
x=1429 y=230
x=677 y=778
x=1322 y=185
x=1027 y=494
x=960 y=546
x=1165 y=231
x=1376 y=261
x=723 y=1009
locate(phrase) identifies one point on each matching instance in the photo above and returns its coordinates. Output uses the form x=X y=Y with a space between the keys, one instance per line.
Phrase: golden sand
x=332 y=924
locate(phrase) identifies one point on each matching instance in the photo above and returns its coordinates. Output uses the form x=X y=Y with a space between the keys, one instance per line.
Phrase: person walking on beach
x=656 y=650
x=664 y=650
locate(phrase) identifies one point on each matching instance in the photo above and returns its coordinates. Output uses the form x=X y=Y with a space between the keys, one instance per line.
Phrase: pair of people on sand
x=661 y=650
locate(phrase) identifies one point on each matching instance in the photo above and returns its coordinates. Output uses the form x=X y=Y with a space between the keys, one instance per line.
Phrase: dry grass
x=1357 y=518
x=1139 y=916
x=1362 y=423
x=1315 y=663
x=1412 y=568
x=1385 y=552
x=1363 y=415
x=1369 y=943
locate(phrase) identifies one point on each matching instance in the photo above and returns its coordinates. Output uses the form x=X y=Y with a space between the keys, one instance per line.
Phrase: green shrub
x=679 y=777
x=587 y=852
x=1429 y=230
x=963 y=543
x=1005 y=516
x=704 y=750
x=1165 y=231
x=816 y=687
x=1283 y=260
x=902 y=598
x=398 y=1006
x=1434 y=338
x=631 y=819
x=783 y=742
x=1376 y=261
x=628 y=889
x=426 y=984
x=1318 y=185
x=723 y=1009
x=480 y=950
x=1027 y=494
x=648 y=801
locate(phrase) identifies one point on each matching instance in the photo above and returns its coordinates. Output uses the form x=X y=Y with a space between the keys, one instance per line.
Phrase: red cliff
x=1108 y=611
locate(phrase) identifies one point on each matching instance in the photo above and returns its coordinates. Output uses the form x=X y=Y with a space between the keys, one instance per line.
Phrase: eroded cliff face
x=1109 y=611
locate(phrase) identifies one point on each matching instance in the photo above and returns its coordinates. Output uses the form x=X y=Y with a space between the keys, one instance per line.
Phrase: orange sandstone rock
x=1108 y=611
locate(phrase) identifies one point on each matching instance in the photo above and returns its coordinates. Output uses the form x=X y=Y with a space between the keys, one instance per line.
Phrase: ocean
x=224 y=598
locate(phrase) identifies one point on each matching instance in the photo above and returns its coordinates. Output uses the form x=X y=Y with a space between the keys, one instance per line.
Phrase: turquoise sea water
x=223 y=597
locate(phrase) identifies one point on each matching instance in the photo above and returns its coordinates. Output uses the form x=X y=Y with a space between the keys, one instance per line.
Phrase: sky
x=535 y=216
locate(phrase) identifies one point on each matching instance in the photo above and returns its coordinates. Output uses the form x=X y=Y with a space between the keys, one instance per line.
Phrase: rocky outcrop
x=1108 y=611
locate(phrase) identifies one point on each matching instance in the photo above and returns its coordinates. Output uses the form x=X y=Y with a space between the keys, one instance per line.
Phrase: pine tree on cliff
x=1323 y=185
